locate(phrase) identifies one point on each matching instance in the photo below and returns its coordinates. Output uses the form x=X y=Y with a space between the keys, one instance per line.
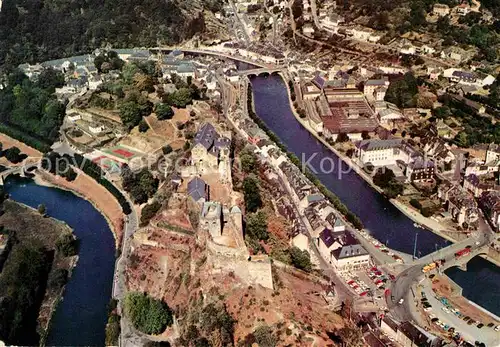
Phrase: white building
x=441 y=10
x=372 y=86
x=384 y=152
x=350 y=257
x=96 y=128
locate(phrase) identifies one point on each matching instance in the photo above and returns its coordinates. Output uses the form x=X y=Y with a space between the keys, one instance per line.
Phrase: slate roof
x=197 y=188
x=375 y=83
x=319 y=81
x=371 y=145
x=328 y=237
x=349 y=251
x=206 y=136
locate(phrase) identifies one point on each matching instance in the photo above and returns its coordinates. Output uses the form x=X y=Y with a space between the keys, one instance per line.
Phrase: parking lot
x=447 y=319
x=370 y=283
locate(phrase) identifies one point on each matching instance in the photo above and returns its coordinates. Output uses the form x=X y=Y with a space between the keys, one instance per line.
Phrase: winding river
x=80 y=318
x=382 y=219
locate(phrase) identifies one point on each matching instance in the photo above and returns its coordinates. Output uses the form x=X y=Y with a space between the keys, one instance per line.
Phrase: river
x=382 y=219
x=80 y=318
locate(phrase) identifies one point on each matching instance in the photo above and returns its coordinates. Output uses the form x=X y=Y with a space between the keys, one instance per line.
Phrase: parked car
x=445 y=309
x=480 y=325
x=497 y=328
x=491 y=325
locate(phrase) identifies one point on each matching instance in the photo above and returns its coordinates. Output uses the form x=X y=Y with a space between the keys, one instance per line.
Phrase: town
x=206 y=160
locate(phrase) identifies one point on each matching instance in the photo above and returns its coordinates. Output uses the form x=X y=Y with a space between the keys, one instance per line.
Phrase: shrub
x=415 y=203
x=148 y=315
x=67 y=244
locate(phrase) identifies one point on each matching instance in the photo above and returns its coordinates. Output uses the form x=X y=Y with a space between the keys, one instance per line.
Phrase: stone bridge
x=448 y=253
x=21 y=170
x=260 y=71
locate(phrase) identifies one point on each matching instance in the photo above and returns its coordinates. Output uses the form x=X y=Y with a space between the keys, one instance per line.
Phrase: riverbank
x=33 y=229
x=87 y=188
x=418 y=218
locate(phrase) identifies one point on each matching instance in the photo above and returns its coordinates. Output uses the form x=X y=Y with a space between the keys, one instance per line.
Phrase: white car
x=497 y=328
x=427 y=309
x=445 y=309
x=432 y=316
x=401 y=301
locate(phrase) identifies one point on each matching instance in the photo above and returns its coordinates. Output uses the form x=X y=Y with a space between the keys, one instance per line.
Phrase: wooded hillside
x=36 y=30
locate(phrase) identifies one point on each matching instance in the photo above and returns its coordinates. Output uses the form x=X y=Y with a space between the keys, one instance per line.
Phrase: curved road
x=402 y=287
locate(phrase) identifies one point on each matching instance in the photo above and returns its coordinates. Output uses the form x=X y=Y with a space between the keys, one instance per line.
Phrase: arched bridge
x=260 y=71
x=21 y=170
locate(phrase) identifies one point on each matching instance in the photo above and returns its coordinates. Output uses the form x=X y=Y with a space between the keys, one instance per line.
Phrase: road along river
x=382 y=219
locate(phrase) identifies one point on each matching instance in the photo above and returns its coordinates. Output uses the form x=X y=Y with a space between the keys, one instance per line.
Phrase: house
x=328 y=241
x=211 y=218
x=389 y=327
x=410 y=335
x=489 y=202
x=210 y=150
x=198 y=190
x=96 y=128
x=492 y=153
x=408 y=49
x=454 y=53
x=459 y=203
x=462 y=9
x=310 y=90
x=441 y=10
x=388 y=115
x=332 y=21
x=307 y=29
x=371 y=86
x=350 y=257
x=342 y=250
x=186 y=70
x=73 y=117
x=479 y=184
x=420 y=170
x=384 y=152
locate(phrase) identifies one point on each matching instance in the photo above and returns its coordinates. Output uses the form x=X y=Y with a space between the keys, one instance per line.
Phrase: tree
x=264 y=336
x=251 y=192
x=67 y=244
x=149 y=211
x=148 y=315
x=365 y=135
x=415 y=203
x=248 y=163
x=42 y=209
x=166 y=149
x=342 y=137
x=300 y=259
x=143 y=126
x=350 y=152
x=13 y=154
x=164 y=111
x=112 y=330
x=50 y=79
x=461 y=139
x=130 y=113
x=256 y=226
x=383 y=177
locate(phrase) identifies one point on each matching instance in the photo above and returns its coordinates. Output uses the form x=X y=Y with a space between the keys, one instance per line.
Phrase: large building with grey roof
x=210 y=152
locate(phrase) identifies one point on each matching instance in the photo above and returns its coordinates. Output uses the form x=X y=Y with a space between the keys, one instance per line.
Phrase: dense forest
x=36 y=30
x=29 y=111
